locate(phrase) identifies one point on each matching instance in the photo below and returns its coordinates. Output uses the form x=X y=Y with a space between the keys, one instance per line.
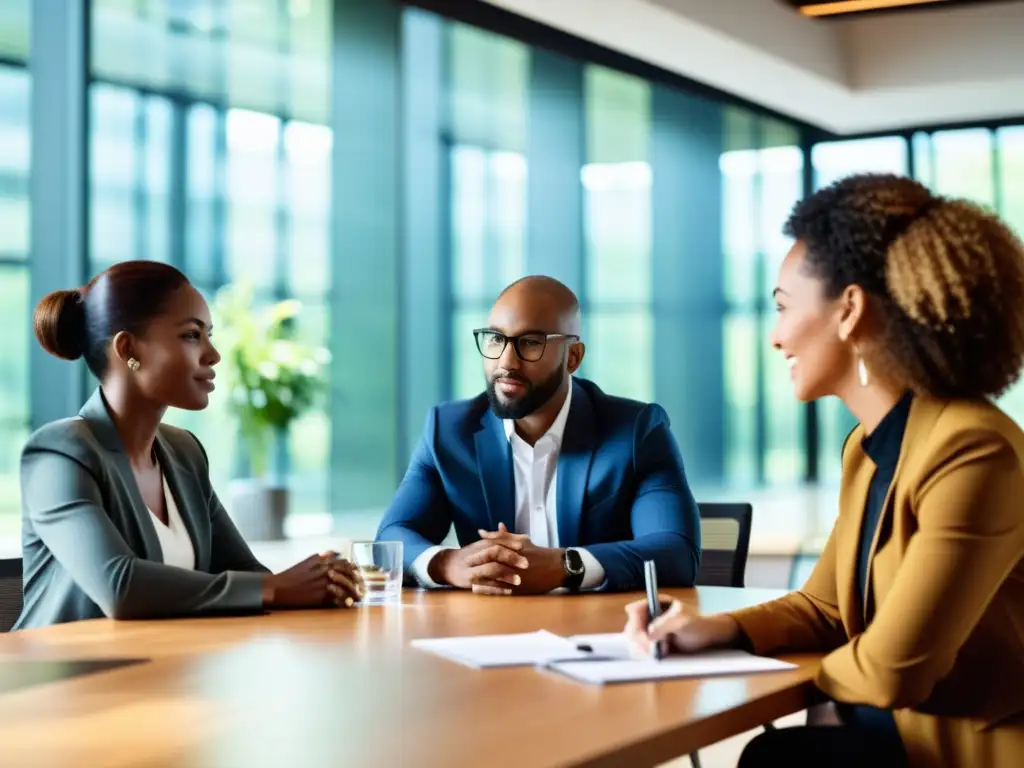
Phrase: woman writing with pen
x=910 y=309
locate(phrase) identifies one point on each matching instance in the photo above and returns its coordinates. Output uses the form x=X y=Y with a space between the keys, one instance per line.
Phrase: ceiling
x=949 y=62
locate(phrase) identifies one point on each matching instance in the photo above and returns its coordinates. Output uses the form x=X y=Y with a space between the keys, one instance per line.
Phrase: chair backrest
x=725 y=540
x=10 y=592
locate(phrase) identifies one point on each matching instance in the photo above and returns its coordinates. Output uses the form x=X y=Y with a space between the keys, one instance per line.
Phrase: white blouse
x=174 y=539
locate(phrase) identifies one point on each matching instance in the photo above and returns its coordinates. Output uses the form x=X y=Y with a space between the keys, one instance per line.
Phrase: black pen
x=582 y=648
x=653 y=605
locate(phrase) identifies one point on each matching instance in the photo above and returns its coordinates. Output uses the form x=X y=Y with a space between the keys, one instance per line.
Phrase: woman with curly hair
x=909 y=308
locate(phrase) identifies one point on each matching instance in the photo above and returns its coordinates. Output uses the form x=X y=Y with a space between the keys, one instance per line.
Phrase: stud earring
x=134 y=364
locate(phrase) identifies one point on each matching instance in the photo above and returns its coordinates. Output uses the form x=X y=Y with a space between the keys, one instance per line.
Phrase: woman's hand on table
x=318 y=581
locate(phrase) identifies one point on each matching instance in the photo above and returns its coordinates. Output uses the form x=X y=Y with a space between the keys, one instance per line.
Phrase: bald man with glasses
x=550 y=483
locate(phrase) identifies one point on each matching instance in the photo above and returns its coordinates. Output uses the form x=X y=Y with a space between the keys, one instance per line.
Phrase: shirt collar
x=557 y=429
x=883 y=445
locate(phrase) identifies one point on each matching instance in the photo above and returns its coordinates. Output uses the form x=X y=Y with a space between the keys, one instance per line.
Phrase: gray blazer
x=89 y=544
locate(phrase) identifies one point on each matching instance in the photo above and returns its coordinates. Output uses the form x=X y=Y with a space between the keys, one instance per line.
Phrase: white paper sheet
x=708 y=664
x=485 y=651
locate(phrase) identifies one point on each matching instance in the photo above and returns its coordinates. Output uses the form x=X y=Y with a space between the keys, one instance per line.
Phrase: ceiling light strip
x=854 y=6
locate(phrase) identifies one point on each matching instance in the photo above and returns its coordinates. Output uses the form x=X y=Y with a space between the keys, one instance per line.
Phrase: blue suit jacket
x=621 y=492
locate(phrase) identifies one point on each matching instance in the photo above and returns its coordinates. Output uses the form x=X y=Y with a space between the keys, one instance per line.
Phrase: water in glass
x=380 y=564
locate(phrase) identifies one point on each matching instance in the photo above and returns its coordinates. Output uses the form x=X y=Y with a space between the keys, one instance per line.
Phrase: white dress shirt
x=536 y=476
x=175 y=543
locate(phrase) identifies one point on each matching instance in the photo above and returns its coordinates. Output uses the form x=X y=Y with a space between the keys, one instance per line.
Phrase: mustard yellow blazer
x=945 y=645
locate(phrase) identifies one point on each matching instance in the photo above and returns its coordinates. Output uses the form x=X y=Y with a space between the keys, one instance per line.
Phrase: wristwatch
x=575 y=570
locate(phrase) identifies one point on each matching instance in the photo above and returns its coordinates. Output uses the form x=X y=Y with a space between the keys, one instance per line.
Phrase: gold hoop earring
x=134 y=364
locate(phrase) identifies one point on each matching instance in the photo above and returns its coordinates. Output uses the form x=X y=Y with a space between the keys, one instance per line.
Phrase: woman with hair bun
x=119 y=516
x=909 y=308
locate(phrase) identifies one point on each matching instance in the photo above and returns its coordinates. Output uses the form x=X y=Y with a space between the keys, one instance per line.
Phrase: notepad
x=484 y=651
x=709 y=664
x=594 y=659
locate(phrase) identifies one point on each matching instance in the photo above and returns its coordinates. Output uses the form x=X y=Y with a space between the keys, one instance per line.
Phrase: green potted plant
x=272 y=379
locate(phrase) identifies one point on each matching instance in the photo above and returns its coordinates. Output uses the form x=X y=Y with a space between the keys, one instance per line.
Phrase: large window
x=15 y=138
x=762 y=178
x=488 y=215
x=129 y=190
x=209 y=150
x=487 y=109
x=1010 y=163
x=645 y=340
x=959 y=164
x=617 y=234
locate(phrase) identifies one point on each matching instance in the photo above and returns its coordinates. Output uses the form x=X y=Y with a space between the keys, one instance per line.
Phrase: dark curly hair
x=945 y=277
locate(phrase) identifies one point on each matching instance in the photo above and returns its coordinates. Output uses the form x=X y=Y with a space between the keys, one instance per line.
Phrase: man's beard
x=536 y=395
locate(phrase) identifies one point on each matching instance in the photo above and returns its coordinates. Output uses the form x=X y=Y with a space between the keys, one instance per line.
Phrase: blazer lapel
x=923 y=413
x=853 y=495
x=574 y=467
x=188 y=497
x=97 y=416
x=494 y=460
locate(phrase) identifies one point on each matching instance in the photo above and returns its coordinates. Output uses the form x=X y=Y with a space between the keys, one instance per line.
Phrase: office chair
x=10 y=592
x=724 y=543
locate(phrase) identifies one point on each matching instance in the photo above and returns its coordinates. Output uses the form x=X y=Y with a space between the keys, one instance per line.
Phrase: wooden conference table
x=344 y=688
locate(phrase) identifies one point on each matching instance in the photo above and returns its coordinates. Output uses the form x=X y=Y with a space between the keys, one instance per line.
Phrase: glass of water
x=380 y=565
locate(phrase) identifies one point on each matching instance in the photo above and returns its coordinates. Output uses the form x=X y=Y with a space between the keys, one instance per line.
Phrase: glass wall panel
x=14 y=405
x=1009 y=159
x=1010 y=192
x=210 y=149
x=782 y=167
x=14 y=30
x=832 y=160
x=962 y=165
x=487 y=86
x=762 y=179
x=616 y=179
x=15 y=151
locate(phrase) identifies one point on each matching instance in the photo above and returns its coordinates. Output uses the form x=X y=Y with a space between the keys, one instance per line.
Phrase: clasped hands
x=501 y=563
x=318 y=581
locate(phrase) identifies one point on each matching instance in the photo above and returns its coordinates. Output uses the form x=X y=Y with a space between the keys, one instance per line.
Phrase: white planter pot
x=258 y=509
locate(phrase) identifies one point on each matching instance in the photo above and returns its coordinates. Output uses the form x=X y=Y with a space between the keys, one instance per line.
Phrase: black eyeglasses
x=529 y=347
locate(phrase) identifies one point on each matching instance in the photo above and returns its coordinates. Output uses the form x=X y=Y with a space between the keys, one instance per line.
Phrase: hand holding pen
x=656 y=631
